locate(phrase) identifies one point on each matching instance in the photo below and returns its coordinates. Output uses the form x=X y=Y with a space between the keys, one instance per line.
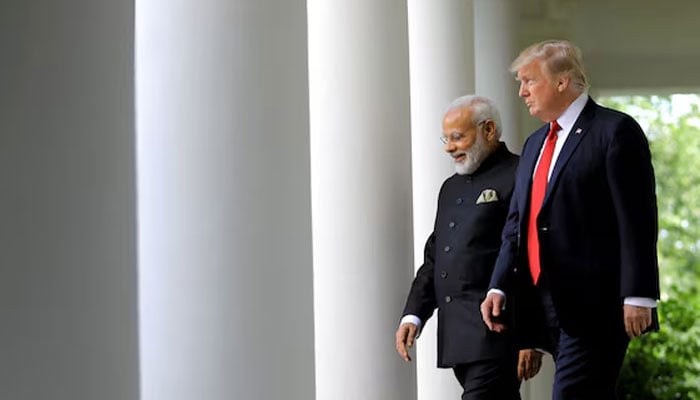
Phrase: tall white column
x=68 y=285
x=361 y=195
x=442 y=68
x=226 y=309
x=495 y=26
x=495 y=23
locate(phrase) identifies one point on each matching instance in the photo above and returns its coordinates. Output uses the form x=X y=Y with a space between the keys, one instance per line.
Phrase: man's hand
x=637 y=319
x=491 y=309
x=405 y=337
x=529 y=363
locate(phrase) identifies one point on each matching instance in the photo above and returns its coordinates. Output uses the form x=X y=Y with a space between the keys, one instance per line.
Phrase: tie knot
x=553 y=129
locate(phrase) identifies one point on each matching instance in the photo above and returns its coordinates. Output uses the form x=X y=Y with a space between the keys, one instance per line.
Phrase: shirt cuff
x=641 y=302
x=498 y=291
x=412 y=319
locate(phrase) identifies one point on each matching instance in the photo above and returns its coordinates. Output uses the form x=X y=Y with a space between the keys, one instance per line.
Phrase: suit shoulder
x=614 y=116
x=509 y=160
x=619 y=125
x=450 y=181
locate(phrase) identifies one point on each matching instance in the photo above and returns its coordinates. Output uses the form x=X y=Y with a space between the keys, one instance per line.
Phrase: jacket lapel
x=528 y=159
x=578 y=131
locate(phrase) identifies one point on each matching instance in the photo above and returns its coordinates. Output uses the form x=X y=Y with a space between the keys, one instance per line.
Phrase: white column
x=495 y=26
x=495 y=23
x=361 y=194
x=442 y=69
x=224 y=200
x=68 y=285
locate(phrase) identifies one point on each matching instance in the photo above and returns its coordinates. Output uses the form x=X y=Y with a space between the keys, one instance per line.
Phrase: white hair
x=482 y=109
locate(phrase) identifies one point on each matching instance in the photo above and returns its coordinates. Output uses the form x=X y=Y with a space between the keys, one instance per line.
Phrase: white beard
x=472 y=157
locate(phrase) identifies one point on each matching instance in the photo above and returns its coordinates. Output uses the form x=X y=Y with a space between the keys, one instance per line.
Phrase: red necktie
x=539 y=187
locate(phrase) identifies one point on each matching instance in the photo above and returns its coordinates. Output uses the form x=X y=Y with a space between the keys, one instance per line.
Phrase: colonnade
x=254 y=185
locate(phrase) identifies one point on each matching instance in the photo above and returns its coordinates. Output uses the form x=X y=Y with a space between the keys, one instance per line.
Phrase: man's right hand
x=491 y=309
x=405 y=337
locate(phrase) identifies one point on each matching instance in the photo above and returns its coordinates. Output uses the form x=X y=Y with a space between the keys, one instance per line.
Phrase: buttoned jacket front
x=459 y=259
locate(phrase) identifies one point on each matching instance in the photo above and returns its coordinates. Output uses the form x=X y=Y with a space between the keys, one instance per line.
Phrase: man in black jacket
x=460 y=255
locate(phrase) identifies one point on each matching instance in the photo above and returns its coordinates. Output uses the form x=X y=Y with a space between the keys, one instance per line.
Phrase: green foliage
x=666 y=364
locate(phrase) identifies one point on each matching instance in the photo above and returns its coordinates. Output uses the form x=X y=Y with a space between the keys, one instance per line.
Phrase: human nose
x=522 y=91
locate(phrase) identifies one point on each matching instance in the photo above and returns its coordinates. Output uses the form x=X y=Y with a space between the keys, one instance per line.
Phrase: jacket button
x=447 y=249
x=448 y=299
x=451 y=224
x=443 y=274
x=459 y=201
x=544 y=229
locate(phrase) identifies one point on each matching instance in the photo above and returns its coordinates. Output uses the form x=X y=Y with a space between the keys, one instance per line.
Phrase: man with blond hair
x=582 y=226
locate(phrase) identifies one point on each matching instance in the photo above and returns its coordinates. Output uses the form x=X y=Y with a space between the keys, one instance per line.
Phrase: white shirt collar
x=566 y=121
x=570 y=115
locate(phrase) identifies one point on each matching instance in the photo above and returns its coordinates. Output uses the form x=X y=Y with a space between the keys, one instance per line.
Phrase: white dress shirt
x=566 y=121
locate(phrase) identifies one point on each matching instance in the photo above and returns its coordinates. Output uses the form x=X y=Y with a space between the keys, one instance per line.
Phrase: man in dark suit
x=582 y=227
x=460 y=255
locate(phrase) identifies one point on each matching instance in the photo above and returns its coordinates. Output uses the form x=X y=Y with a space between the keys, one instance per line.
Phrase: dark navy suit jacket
x=598 y=223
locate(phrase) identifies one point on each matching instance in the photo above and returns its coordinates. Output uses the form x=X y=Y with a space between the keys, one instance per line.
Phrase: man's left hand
x=637 y=319
x=529 y=363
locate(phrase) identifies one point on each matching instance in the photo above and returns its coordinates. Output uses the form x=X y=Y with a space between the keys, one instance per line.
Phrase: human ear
x=563 y=82
x=489 y=130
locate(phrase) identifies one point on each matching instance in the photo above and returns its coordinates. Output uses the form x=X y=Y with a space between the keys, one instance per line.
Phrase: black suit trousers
x=492 y=379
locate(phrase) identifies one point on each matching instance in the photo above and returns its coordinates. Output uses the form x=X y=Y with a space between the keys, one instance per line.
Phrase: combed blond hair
x=557 y=57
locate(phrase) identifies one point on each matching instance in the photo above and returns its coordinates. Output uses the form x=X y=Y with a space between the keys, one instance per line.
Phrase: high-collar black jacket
x=459 y=258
